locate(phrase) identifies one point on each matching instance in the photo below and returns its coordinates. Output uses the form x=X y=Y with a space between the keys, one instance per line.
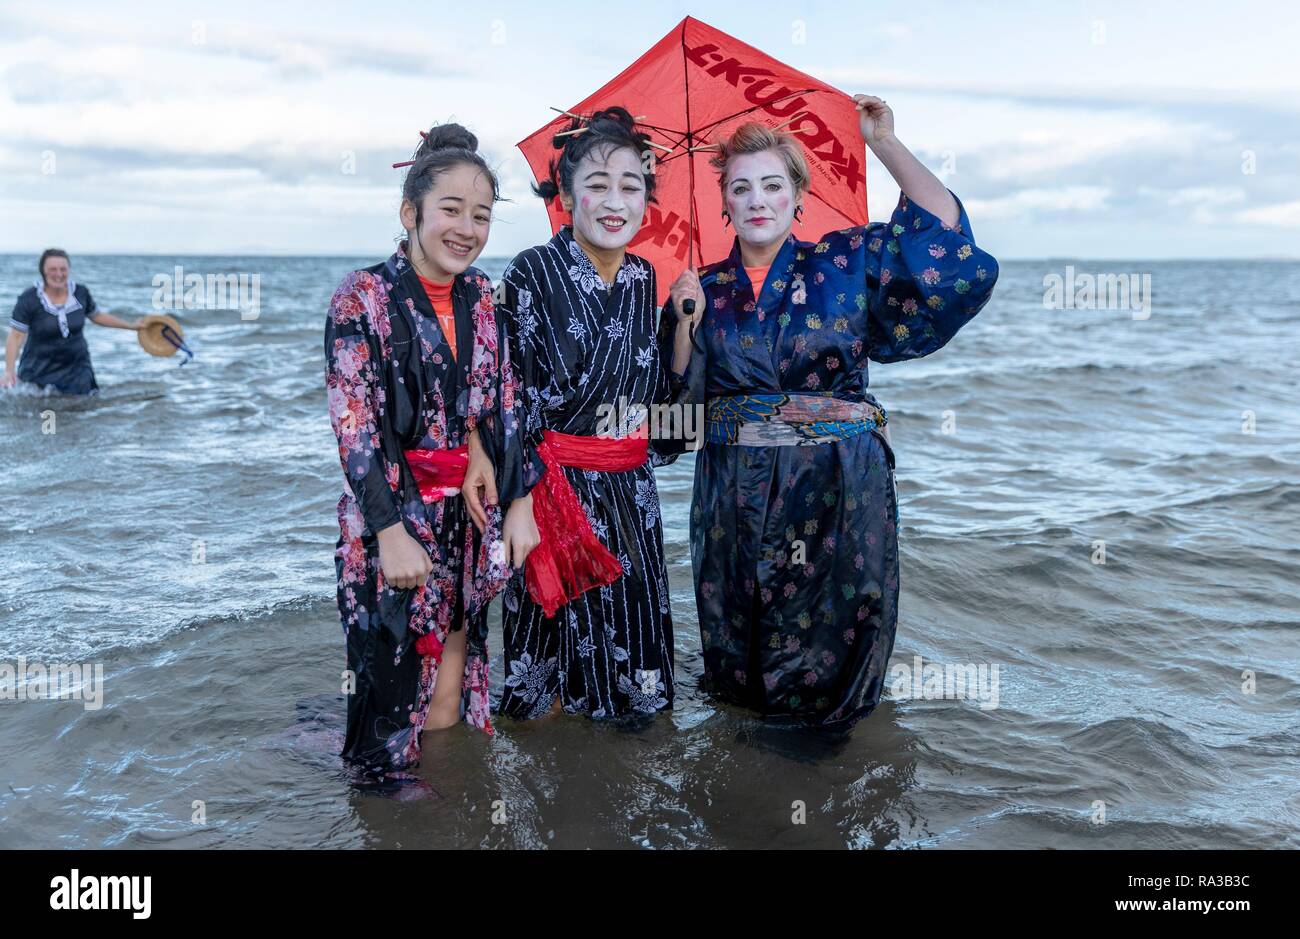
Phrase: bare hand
x=480 y=484
x=403 y=560
x=519 y=531
x=687 y=287
x=9 y=380
x=875 y=118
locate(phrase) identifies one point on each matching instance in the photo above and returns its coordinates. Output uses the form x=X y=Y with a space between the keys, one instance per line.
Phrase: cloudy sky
x=1075 y=129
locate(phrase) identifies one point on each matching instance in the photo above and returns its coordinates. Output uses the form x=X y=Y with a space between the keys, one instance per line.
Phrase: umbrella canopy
x=693 y=88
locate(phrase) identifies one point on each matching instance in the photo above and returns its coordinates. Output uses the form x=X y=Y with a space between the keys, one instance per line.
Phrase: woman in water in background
x=793 y=521
x=413 y=375
x=47 y=325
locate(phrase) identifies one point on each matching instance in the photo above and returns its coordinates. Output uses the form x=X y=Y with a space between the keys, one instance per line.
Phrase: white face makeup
x=760 y=198
x=456 y=219
x=608 y=197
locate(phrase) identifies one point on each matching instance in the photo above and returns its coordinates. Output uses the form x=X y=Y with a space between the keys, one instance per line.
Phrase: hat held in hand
x=160 y=335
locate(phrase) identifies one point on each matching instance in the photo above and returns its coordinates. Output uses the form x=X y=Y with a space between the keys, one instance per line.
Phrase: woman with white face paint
x=794 y=515
x=587 y=627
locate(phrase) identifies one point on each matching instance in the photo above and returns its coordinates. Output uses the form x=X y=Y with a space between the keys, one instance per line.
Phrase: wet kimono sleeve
x=512 y=446
x=924 y=280
x=353 y=385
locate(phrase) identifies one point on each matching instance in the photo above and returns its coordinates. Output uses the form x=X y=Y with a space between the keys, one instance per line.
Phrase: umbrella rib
x=698 y=136
x=675 y=155
x=690 y=133
x=681 y=138
x=666 y=131
x=722 y=120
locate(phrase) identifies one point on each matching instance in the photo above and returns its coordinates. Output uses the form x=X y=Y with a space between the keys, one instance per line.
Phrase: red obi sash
x=570 y=559
x=438 y=473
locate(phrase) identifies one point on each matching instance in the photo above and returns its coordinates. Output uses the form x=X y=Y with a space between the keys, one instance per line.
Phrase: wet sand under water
x=254 y=738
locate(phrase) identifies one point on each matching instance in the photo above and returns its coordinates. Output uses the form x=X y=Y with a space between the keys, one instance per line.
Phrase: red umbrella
x=693 y=88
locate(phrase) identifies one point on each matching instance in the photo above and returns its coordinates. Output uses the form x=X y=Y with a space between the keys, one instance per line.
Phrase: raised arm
x=876 y=122
x=922 y=273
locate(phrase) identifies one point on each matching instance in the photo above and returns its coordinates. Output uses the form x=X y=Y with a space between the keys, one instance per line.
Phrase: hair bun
x=618 y=115
x=446 y=137
x=612 y=125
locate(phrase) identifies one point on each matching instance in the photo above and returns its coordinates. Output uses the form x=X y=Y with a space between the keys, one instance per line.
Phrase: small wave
x=41 y=647
x=24 y=399
x=301 y=604
x=1168 y=755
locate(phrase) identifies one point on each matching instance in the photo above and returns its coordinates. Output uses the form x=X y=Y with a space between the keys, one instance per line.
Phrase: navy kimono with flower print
x=579 y=350
x=795 y=546
x=394 y=385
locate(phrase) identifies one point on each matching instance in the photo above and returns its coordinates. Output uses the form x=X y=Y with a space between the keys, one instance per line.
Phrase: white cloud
x=1205 y=201
x=289 y=51
x=1097 y=91
x=1286 y=214
x=237 y=139
x=1026 y=203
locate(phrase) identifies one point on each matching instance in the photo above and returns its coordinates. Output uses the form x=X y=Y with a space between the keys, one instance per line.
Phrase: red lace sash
x=570 y=559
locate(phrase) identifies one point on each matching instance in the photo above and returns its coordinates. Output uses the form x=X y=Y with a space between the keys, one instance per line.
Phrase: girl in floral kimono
x=587 y=626
x=794 y=516
x=413 y=376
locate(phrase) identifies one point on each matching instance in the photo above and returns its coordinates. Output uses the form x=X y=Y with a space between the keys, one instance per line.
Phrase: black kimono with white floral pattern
x=582 y=351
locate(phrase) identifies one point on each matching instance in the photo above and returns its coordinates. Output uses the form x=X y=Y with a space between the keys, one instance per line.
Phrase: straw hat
x=151 y=334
